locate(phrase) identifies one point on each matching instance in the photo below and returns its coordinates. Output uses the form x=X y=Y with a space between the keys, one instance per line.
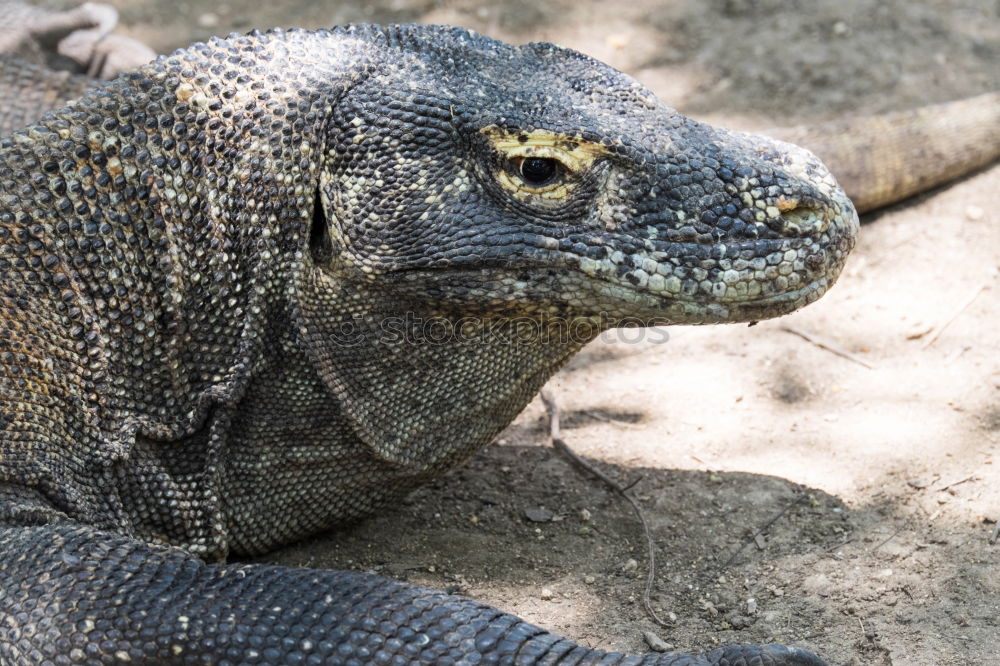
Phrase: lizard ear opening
x=320 y=246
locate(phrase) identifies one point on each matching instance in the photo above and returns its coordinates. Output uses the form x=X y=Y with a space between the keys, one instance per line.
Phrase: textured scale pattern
x=271 y=283
x=33 y=88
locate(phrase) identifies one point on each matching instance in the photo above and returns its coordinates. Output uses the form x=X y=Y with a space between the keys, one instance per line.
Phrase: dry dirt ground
x=888 y=473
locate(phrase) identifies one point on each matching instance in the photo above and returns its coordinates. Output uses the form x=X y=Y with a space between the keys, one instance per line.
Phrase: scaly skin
x=28 y=90
x=270 y=284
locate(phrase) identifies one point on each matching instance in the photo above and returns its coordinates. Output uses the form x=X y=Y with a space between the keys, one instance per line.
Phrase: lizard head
x=536 y=179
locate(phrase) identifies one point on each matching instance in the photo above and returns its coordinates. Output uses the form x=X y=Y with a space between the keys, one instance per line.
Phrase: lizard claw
x=106 y=56
x=102 y=54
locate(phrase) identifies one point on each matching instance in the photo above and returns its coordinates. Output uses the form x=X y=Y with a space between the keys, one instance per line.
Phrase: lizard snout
x=812 y=200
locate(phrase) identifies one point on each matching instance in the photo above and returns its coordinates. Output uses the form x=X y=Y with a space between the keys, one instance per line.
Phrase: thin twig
x=632 y=484
x=752 y=538
x=939 y=329
x=971 y=477
x=839 y=544
x=889 y=538
x=823 y=344
x=555 y=436
x=607 y=419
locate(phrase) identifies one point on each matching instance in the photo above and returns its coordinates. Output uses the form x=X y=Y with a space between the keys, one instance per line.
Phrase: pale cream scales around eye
x=542 y=162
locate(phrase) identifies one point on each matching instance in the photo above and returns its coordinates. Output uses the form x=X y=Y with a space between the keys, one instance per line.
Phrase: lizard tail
x=881 y=159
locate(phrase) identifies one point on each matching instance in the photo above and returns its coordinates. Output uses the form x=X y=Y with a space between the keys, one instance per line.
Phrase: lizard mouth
x=737 y=280
x=701 y=297
x=724 y=272
x=655 y=308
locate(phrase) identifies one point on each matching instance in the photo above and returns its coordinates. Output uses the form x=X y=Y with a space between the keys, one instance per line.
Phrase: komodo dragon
x=215 y=274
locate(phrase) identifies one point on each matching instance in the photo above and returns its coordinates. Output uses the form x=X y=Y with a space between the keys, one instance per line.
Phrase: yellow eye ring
x=530 y=154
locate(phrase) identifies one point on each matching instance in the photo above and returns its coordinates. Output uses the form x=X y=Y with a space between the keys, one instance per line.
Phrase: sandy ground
x=885 y=475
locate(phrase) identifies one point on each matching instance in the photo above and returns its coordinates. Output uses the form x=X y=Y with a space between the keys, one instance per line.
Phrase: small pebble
x=630 y=566
x=589 y=580
x=724 y=599
x=585 y=515
x=538 y=514
x=546 y=594
x=974 y=213
x=751 y=606
x=616 y=41
x=870 y=631
x=918 y=330
x=208 y=20
x=656 y=643
x=737 y=621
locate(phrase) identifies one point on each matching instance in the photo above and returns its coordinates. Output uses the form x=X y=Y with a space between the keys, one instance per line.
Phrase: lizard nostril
x=805 y=221
x=816 y=261
x=796 y=218
x=787 y=204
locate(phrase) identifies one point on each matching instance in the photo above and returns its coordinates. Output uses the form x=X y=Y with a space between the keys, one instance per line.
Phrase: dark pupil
x=538 y=170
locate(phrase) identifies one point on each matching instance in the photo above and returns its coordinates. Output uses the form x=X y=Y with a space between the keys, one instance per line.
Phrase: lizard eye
x=540 y=166
x=538 y=171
